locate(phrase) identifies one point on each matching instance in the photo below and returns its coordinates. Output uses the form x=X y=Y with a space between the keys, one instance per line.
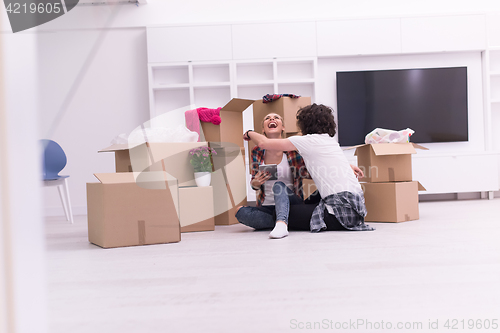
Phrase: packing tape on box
x=392 y=175
x=141 y=224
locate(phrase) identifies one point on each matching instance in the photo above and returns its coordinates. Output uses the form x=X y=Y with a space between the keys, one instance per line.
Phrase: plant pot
x=202 y=179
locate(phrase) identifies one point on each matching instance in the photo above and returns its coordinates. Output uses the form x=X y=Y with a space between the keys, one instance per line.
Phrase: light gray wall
x=106 y=93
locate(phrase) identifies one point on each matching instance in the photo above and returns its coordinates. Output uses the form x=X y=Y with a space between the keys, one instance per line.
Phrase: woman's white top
x=326 y=164
x=284 y=175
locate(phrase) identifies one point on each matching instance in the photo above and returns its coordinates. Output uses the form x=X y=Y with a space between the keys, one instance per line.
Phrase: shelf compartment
x=254 y=92
x=248 y=124
x=211 y=97
x=495 y=119
x=495 y=88
x=302 y=89
x=170 y=86
x=295 y=70
x=250 y=72
x=170 y=99
x=298 y=81
x=495 y=61
x=256 y=83
x=170 y=75
x=203 y=74
x=215 y=84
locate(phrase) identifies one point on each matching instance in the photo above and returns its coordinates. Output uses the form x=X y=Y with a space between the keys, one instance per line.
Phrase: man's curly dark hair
x=316 y=119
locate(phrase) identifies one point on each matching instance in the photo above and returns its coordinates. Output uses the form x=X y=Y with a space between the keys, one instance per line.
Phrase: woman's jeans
x=263 y=217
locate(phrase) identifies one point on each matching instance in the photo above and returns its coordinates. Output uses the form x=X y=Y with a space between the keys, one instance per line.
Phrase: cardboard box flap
x=353 y=147
x=122 y=146
x=383 y=149
x=116 y=178
x=177 y=152
x=419 y=146
x=420 y=187
x=393 y=149
x=132 y=177
x=238 y=105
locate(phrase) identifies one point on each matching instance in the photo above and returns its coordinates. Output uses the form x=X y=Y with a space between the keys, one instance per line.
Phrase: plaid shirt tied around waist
x=349 y=209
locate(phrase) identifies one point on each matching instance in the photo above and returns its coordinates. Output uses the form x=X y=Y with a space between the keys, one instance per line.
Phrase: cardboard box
x=172 y=157
x=122 y=155
x=286 y=107
x=386 y=162
x=231 y=128
x=308 y=187
x=392 y=202
x=228 y=182
x=127 y=209
x=196 y=206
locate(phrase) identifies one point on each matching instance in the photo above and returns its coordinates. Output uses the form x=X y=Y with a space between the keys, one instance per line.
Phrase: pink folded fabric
x=209 y=115
x=193 y=121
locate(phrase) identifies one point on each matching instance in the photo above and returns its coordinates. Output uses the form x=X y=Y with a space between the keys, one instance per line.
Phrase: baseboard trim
x=82 y=210
x=456 y=196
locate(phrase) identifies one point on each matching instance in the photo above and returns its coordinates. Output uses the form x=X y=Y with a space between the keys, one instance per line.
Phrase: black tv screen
x=430 y=101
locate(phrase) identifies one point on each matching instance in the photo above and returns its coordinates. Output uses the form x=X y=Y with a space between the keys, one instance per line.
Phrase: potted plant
x=202 y=164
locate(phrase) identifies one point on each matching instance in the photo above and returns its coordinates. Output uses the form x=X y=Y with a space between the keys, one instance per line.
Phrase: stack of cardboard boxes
x=391 y=195
x=153 y=197
x=228 y=178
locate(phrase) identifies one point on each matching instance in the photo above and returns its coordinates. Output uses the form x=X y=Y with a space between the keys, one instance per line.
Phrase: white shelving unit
x=255 y=79
x=493 y=91
x=174 y=86
x=213 y=84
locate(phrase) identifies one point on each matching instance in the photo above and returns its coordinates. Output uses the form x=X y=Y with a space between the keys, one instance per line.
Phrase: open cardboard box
x=286 y=107
x=172 y=157
x=196 y=206
x=122 y=155
x=126 y=209
x=231 y=127
x=228 y=181
x=386 y=162
x=392 y=202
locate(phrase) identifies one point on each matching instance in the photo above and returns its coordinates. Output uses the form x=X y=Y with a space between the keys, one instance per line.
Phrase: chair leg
x=62 y=195
x=70 y=211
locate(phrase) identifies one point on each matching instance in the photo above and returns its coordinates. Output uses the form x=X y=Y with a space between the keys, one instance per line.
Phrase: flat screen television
x=431 y=101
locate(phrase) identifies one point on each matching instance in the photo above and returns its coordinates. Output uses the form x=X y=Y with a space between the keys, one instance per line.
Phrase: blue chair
x=54 y=160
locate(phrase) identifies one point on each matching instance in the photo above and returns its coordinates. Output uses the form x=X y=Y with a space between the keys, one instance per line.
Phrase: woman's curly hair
x=316 y=119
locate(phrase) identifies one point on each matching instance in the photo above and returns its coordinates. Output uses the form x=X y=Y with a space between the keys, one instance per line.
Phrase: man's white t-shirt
x=326 y=163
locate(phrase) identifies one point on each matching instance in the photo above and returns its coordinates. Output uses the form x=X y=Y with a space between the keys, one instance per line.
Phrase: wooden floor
x=444 y=266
